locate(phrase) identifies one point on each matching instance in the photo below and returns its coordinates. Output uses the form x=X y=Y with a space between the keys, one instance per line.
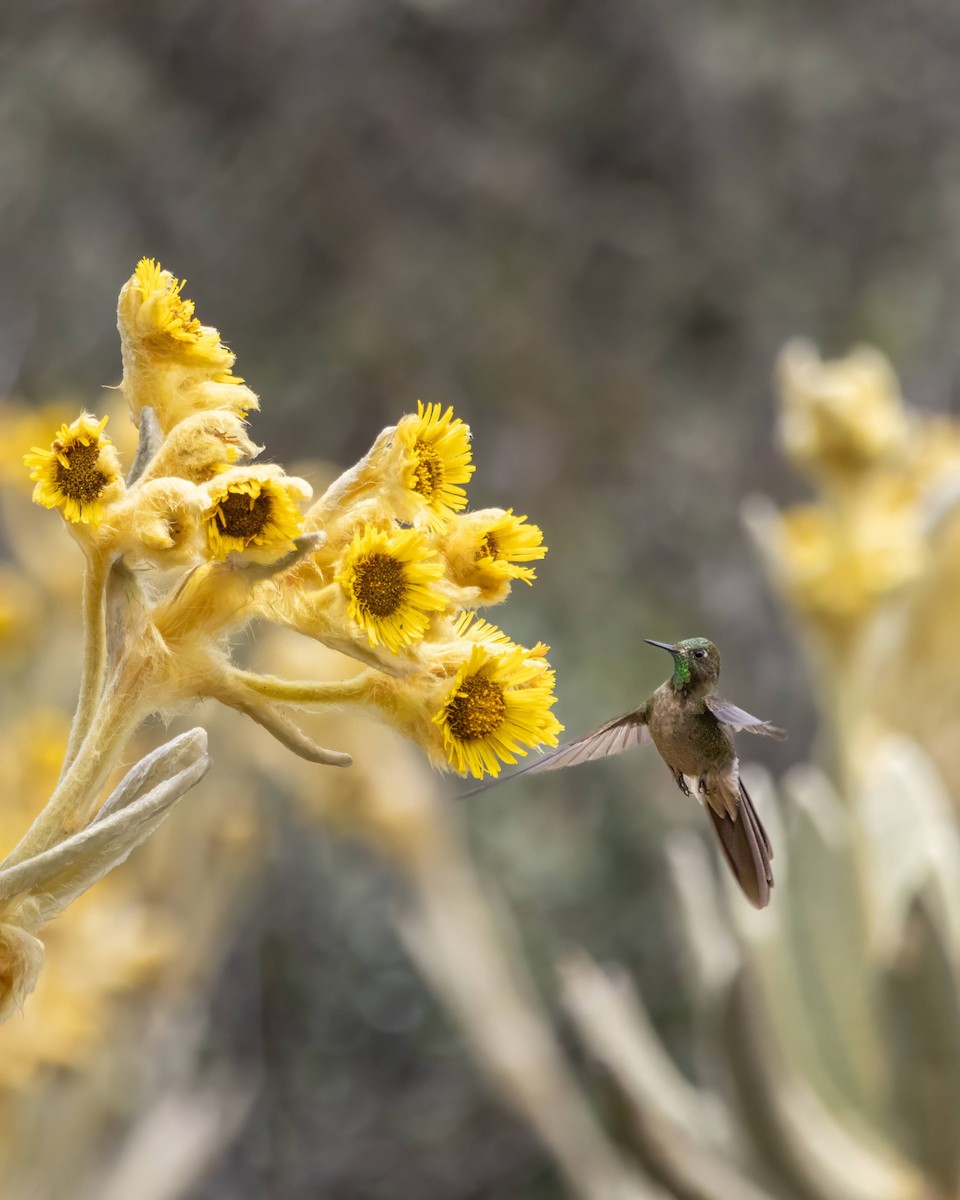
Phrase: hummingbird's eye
x=699 y=654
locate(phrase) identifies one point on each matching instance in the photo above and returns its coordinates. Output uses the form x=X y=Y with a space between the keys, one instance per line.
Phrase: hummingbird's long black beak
x=660 y=645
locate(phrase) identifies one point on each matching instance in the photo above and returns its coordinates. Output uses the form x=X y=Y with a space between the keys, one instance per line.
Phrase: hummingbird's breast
x=687 y=735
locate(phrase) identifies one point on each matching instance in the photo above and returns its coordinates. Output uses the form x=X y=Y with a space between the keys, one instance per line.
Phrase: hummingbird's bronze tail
x=746 y=848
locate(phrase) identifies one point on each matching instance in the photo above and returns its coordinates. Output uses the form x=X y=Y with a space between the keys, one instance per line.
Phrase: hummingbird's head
x=696 y=663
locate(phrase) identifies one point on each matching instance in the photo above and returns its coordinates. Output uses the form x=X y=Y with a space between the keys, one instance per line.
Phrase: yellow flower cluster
x=383 y=567
x=838 y=418
x=882 y=471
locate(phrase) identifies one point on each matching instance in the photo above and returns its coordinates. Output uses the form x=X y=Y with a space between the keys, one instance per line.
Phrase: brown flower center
x=477 y=709
x=488 y=547
x=82 y=480
x=243 y=516
x=379 y=585
x=428 y=473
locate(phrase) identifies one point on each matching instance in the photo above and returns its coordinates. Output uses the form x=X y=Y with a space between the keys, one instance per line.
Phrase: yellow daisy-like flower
x=254 y=511
x=79 y=474
x=166 y=319
x=436 y=448
x=498 y=707
x=469 y=627
x=172 y=363
x=387 y=576
x=483 y=550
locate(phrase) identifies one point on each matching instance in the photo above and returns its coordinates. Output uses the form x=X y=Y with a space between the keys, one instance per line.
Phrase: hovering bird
x=691 y=728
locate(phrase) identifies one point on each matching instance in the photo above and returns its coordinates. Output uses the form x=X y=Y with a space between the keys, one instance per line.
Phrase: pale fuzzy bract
x=202 y=446
x=79 y=474
x=165 y=526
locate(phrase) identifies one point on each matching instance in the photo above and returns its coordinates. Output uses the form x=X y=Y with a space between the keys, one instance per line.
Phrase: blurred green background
x=588 y=226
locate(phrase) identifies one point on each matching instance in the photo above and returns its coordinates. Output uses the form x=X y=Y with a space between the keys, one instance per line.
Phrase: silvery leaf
x=41 y=887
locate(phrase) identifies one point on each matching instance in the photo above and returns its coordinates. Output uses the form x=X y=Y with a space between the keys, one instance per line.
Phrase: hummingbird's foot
x=702 y=787
x=682 y=783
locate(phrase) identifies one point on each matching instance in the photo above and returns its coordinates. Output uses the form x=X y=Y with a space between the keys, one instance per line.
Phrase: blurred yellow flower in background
x=838 y=566
x=839 y=417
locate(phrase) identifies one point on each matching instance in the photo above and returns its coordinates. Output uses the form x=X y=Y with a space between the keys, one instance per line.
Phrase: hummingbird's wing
x=729 y=714
x=618 y=735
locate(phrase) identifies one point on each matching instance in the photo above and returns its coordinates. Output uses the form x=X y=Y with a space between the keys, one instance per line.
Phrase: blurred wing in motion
x=613 y=738
x=728 y=714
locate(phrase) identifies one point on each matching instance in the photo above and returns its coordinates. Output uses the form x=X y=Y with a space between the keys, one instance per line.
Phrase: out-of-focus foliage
x=826 y=1028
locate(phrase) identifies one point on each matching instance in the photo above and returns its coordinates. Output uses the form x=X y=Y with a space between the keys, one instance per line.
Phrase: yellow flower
x=172 y=363
x=842 y=416
x=469 y=627
x=839 y=566
x=388 y=580
x=436 y=450
x=498 y=707
x=79 y=474
x=483 y=549
x=165 y=320
x=254 y=511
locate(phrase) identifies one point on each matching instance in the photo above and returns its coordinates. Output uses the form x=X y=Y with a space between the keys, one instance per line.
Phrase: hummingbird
x=692 y=729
